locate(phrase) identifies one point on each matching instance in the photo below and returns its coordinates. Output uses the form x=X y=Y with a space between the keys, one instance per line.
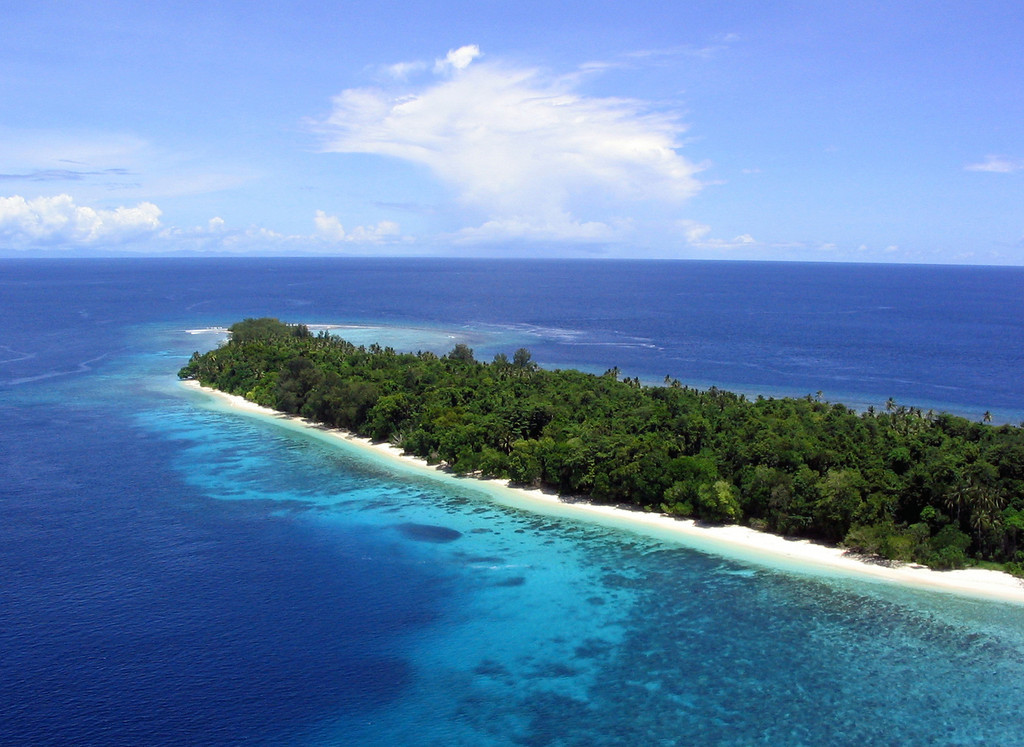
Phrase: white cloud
x=329 y=229
x=700 y=52
x=695 y=232
x=556 y=228
x=49 y=221
x=58 y=222
x=385 y=230
x=998 y=165
x=458 y=59
x=402 y=70
x=328 y=234
x=527 y=151
x=699 y=235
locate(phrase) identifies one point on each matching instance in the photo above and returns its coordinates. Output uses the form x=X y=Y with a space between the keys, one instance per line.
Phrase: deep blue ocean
x=172 y=572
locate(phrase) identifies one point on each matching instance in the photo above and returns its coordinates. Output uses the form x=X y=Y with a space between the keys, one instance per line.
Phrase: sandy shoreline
x=730 y=541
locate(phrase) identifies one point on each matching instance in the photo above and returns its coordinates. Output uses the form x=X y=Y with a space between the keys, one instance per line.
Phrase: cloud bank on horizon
x=59 y=221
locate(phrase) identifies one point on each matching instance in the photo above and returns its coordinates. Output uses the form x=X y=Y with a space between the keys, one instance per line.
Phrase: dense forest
x=899 y=483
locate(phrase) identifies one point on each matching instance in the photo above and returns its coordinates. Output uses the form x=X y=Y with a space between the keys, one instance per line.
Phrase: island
x=900 y=484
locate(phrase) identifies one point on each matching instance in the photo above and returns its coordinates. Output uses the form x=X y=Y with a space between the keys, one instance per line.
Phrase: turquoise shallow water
x=565 y=632
x=175 y=573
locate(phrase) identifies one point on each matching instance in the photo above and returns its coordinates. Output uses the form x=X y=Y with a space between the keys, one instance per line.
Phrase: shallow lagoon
x=572 y=632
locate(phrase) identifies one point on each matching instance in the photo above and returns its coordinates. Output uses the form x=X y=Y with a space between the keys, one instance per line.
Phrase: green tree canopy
x=934 y=488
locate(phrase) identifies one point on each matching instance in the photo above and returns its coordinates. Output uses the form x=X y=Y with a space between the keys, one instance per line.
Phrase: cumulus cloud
x=526 y=150
x=329 y=228
x=58 y=222
x=328 y=235
x=457 y=59
x=699 y=235
x=553 y=228
x=997 y=165
x=50 y=221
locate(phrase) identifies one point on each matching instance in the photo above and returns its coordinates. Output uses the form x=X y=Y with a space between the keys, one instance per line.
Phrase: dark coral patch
x=428 y=533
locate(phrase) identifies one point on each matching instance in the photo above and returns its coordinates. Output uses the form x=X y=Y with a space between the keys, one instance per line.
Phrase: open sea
x=172 y=572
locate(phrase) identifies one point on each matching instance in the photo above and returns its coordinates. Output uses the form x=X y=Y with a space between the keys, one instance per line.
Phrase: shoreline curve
x=732 y=541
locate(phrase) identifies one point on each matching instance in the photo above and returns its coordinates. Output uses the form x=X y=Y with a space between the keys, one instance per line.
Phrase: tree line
x=902 y=484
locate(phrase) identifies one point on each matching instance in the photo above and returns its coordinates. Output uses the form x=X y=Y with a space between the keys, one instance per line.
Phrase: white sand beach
x=735 y=542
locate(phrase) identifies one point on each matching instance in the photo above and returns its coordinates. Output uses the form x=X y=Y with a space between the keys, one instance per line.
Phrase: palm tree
x=985 y=513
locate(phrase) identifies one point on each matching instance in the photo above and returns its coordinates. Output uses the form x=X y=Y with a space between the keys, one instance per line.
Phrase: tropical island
x=898 y=484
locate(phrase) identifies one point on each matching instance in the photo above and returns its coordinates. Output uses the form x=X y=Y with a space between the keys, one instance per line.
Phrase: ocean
x=177 y=573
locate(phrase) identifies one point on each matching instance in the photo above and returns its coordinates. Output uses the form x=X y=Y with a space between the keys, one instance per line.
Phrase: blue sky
x=829 y=131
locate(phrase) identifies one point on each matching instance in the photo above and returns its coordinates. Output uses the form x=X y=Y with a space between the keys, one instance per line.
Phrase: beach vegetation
x=900 y=484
